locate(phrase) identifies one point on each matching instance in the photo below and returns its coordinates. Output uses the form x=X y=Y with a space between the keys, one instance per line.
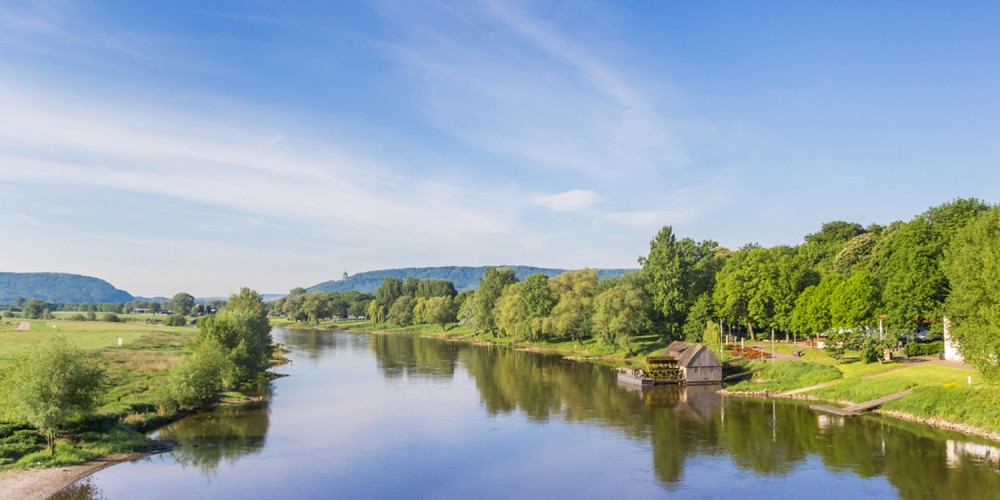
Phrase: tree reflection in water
x=227 y=433
x=765 y=437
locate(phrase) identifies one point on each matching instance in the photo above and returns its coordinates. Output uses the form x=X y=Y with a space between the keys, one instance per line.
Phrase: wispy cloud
x=494 y=76
x=576 y=200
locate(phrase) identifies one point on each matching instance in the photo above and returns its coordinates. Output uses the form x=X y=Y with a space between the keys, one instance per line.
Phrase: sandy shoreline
x=40 y=484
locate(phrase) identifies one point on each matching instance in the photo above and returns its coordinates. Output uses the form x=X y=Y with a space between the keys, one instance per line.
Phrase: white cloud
x=576 y=200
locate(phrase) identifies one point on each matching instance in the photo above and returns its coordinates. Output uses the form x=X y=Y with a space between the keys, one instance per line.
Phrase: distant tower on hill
x=345 y=276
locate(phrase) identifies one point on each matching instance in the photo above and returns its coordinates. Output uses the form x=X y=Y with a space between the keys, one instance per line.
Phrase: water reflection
x=81 y=490
x=764 y=437
x=226 y=434
x=379 y=439
x=405 y=356
x=313 y=344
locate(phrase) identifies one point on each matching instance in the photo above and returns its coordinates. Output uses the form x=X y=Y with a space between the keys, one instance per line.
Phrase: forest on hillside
x=59 y=287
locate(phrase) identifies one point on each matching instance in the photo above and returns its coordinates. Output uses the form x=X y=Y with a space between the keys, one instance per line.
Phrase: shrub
x=197 y=381
x=78 y=317
x=175 y=320
x=928 y=349
x=111 y=318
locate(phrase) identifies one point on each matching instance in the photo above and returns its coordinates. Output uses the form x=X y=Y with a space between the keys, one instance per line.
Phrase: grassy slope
x=940 y=392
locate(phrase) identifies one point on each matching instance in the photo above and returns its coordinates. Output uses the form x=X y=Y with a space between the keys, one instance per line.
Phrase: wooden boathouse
x=681 y=363
x=698 y=364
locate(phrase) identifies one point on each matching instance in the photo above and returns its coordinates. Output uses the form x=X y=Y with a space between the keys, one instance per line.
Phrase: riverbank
x=942 y=395
x=31 y=484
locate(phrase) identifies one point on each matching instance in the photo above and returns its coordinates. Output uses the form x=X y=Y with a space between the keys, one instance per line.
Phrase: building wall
x=950 y=346
x=702 y=374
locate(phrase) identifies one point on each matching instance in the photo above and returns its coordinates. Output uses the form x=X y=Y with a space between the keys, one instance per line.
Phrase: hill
x=464 y=278
x=59 y=287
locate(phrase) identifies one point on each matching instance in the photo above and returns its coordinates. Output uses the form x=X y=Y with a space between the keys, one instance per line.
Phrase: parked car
x=926 y=336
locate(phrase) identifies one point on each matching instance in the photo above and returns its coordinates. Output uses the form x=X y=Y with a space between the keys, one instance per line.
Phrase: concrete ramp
x=854 y=410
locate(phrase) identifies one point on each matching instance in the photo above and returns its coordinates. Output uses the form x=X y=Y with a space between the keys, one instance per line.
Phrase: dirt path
x=40 y=484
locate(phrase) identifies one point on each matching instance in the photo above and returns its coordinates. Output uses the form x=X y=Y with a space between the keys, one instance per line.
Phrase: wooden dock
x=855 y=410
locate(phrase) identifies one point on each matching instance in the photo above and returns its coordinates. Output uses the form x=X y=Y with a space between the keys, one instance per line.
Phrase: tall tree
x=386 y=295
x=534 y=303
x=243 y=331
x=972 y=266
x=618 y=316
x=676 y=273
x=50 y=385
x=491 y=285
x=181 y=303
x=573 y=293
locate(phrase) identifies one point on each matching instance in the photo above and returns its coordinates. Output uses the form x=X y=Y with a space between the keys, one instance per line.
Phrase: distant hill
x=59 y=287
x=464 y=278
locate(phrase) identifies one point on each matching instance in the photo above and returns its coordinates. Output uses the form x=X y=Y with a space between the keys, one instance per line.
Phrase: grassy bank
x=941 y=394
x=136 y=373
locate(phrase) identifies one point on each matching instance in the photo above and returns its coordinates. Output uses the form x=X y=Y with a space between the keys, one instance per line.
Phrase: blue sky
x=204 y=146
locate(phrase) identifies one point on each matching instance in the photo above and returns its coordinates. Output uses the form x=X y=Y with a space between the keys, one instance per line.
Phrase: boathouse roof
x=690 y=354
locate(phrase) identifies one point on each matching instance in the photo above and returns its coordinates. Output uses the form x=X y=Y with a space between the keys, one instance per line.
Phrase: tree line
x=902 y=277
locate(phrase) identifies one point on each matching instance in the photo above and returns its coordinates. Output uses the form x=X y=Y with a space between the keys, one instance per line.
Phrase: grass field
x=136 y=371
x=90 y=335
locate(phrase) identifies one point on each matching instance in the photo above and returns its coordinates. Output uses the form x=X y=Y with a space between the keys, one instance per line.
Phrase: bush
x=77 y=317
x=110 y=318
x=928 y=349
x=175 y=320
x=197 y=381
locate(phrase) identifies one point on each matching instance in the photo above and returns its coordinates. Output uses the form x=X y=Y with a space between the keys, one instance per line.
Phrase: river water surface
x=399 y=416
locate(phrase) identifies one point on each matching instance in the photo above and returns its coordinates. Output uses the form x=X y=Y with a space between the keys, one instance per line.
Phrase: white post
x=119 y=341
x=970 y=379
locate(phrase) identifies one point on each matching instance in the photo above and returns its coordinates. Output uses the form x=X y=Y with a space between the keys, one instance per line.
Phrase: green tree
x=759 y=287
x=182 y=303
x=505 y=311
x=197 y=380
x=491 y=285
x=316 y=306
x=243 y=331
x=387 y=293
x=534 y=303
x=573 y=293
x=972 y=266
x=854 y=301
x=435 y=310
x=49 y=386
x=677 y=272
x=701 y=312
x=619 y=316
x=33 y=309
x=376 y=312
x=175 y=320
x=401 y=311
x=907 y=262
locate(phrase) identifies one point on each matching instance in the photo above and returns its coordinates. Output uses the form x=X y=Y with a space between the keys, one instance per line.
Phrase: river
x=400 y=416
